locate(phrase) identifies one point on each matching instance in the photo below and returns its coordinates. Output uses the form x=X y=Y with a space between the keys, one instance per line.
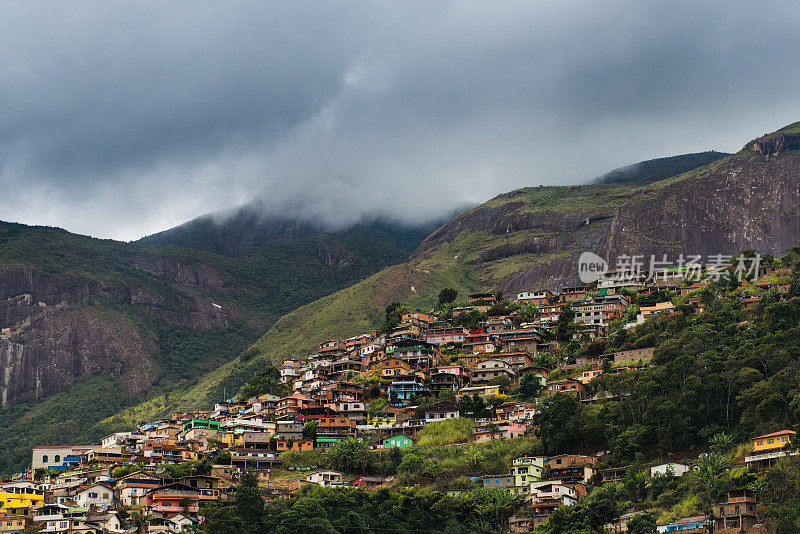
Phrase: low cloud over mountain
x=121 y=119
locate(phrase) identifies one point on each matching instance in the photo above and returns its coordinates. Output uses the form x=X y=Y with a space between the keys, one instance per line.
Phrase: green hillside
x=466 y=260
x=524 y=239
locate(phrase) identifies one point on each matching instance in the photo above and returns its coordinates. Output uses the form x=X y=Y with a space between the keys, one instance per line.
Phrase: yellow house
x=384 y=419
x=230 y=440
x=19 y=498
x=483 y=390
x=774 y=441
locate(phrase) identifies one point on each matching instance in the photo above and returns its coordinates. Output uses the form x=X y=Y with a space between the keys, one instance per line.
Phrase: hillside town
x=486 y=359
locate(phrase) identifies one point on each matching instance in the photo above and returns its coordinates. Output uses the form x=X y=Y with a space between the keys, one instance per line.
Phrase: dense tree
x=601 y=508
x=565 y=425
x=350 y=454
x=447 y=295
x=779 y=496
x=310 y=429
x=565 y=318
x=470 y=320
x=250 y=505
x=642 y=523
x=392 y=316
x=267 y=381
x=530 y=385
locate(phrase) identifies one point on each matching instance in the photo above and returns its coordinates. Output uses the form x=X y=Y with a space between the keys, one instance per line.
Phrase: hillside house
x=483 y=391
x=440 y=336
x=480 y=308
x=516 y=359
x=497 y=429
x=768 y=448
x=629 y=356
x=173 y=499
x=564 y=385
x=326 y=478
x=291 y=405
x=527 y=469
x=333 y=348
x=738 y=514
x=367 y=482
x=537 y=298
x=588 y=376
x=406 y=386
x=500 y=323
x=482 y=298
x=419 y=317
x=488 y=370
x=498 y=481
x=648 y=312
x=677 y=470
x=134 y=486
x=688 y=525
x=399 y=440
x=480 y=342
x=442 y=410
x=526 y=340
x=571 y=468
x=392 y=367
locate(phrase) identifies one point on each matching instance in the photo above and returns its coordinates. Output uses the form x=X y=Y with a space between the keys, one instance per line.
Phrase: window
x=57 y=458
x=45 y=459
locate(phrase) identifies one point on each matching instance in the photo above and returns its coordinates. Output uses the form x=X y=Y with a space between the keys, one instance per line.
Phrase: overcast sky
x=120 y=119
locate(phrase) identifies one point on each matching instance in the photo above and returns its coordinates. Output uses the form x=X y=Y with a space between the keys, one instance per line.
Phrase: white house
x=46 y=457
x=325 y=478
x=678 y=470
x=442 y=410
x=115 y=439
x=180 y=523
x=108 y=522
x=100 y=495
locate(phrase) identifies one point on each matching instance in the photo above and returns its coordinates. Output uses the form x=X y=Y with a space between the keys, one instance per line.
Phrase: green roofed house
x=323 y=442
x=400 y=440
x=201 y=423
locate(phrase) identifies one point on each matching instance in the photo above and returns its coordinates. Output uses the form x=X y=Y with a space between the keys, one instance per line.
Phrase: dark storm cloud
x=120 y=119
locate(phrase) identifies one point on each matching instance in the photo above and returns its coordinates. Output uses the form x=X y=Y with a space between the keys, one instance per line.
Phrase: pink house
x=507 y=429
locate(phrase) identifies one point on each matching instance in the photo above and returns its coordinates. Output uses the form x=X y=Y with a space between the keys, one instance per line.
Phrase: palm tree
x=708 y=476
x=721 y=443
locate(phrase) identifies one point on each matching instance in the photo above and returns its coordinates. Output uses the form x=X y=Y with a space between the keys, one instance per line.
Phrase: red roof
x=778 y=433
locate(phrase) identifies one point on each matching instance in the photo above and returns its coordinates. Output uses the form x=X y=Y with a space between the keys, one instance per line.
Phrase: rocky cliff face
x=53 y=332
x=532 y=237
x=752 y=200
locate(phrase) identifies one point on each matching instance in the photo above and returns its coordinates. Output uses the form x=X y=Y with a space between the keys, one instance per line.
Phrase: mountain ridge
x=660 y=168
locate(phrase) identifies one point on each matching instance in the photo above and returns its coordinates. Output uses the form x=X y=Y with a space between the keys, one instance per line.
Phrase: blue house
x=405 y=386
x=687 y=523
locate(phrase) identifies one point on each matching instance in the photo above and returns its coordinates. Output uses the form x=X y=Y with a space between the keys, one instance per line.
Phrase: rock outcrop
x=772 y=145
x=533 y=237
x=54 y=329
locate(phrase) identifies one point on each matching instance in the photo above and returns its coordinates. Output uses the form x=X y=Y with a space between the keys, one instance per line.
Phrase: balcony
x=176 y=508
